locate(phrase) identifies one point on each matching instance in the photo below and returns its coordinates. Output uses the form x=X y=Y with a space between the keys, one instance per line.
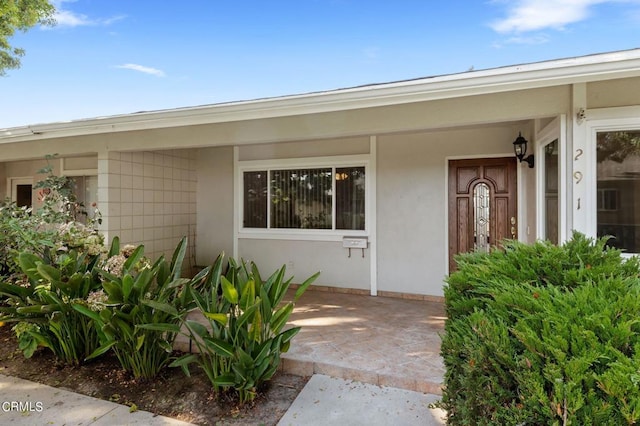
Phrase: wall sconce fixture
x=520 y=149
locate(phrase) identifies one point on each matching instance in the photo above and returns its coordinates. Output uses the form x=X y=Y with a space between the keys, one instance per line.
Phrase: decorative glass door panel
x=482 y=204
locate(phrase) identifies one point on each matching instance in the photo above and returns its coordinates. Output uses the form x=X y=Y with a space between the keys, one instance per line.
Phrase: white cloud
x=531 y=40
x=67 y=18
x=534 y=15
x=143 y=69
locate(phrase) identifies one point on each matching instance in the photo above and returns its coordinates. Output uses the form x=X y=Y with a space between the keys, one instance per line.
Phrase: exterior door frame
x=13 y=182
x=557 y=129
x=519 y=200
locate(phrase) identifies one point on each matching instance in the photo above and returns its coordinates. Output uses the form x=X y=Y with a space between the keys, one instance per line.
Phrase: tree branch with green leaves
x=20 y=15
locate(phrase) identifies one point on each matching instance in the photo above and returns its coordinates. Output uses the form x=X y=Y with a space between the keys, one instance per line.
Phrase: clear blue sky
x=108 y=57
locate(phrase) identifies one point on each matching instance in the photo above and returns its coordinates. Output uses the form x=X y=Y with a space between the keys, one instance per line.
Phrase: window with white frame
x=86 y=192
x=618 y=188
x=319 y=197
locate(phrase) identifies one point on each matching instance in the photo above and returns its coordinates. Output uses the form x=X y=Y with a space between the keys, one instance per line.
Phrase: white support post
x=372 y=222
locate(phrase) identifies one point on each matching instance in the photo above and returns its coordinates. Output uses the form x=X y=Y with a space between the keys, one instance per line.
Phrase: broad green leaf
x=225 y=380
x=113 y=290
x=280 y=318
x=267 y=307
x=127 y=285
x=287 y=335
x=229 y=291
x=163 y=274
x=164 y=307
x=49 y=272
x=178 y=257
x=263 y=351
x=88 y=312
x=115 y=247
x=178 y=283
x=133 y=259
x=303 y=287
x=248 y=294
x=248 y=314
x=255 y=331
x=101 y=350
x=164 y=344
x=256 y=274
x=196 y=328
x=37 y=309
x=122 y=327
x=184 y=361
x=220 y=347
x=245 y=359
x=15 y=290
x=143 y=281
x=221 y=319
x=29 y=264
x=139 y=342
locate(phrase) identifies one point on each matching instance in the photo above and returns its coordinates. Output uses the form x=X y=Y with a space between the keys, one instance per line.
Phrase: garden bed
x=171 y=394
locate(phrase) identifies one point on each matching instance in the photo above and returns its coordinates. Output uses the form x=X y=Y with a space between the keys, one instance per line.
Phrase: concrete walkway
x=27 y=403
x=323 y=401
x=330 y=401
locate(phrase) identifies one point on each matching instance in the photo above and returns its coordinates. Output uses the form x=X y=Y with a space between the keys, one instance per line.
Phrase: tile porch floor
x=377 y=340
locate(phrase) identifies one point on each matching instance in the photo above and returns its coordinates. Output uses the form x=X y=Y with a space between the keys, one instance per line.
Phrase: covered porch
x=379 y=340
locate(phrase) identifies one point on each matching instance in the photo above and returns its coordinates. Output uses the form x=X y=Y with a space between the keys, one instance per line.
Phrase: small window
x=319 y=198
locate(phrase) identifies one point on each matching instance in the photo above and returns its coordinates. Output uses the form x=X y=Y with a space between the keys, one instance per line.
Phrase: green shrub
x=145 y=305
x=541 y=334
x=241 y=345
x=42 y=304
x=46 y=230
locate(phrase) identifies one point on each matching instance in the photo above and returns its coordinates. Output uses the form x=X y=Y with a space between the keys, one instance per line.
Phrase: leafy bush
x=145 y=305
x=241 y=345
x=541 y=334
x=42 y=304
x=42 y=231
x=47 y=262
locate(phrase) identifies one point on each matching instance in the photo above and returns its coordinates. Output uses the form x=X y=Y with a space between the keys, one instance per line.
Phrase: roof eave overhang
x=522 y=77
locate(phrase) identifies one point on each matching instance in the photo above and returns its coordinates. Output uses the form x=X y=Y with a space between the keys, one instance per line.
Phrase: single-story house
x=376 y=186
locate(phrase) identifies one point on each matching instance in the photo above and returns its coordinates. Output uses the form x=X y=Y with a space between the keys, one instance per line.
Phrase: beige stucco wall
x=28 y=169
x=214 y=191
x=304 y=258
x=613 y=93
x=313 y=148
x=412 y=197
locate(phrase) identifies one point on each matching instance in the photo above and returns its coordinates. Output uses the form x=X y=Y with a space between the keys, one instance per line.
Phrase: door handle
x=513 y=227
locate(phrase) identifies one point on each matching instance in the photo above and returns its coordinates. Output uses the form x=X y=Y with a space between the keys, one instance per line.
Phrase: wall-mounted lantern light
x=520 y=148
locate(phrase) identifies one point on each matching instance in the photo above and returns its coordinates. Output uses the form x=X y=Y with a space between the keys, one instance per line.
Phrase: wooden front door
x=482 y=204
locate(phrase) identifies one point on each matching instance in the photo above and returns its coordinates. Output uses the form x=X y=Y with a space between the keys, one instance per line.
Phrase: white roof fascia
x=519 y=77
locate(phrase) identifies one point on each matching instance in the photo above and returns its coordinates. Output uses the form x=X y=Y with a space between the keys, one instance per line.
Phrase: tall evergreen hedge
x=543 y=335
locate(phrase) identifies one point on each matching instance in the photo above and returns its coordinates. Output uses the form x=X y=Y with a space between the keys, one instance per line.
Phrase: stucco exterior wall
x=304 y=258
x=28 y=169
x=613 y=93
x=214 y=191
x=412 y=199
